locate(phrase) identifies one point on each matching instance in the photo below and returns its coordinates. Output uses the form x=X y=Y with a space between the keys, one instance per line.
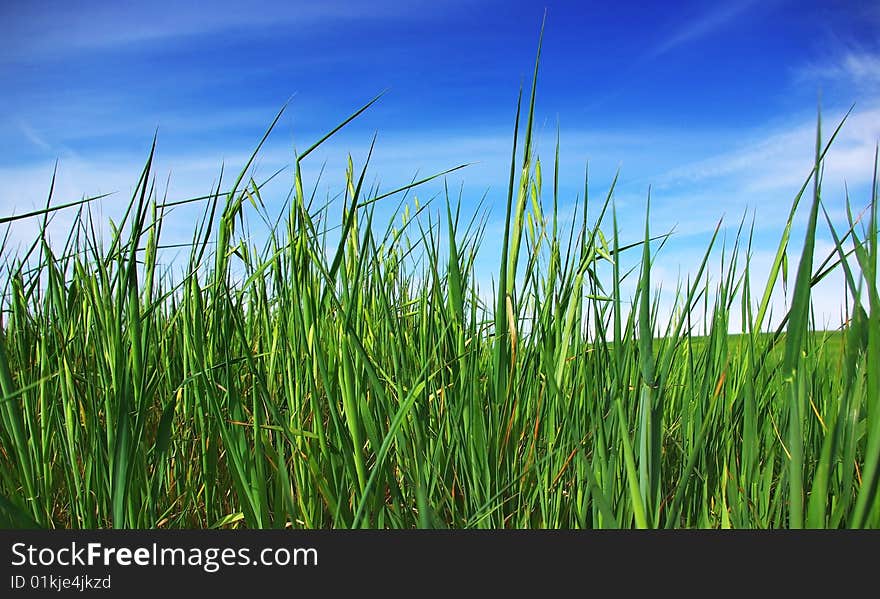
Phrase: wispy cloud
x=98 y=24
x=33 y=137
x=857 y=70
x=781 y=159
x=700 y=26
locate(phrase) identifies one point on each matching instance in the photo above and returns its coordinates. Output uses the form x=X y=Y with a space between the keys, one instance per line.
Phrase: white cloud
x=857 y=69
x=782 y=160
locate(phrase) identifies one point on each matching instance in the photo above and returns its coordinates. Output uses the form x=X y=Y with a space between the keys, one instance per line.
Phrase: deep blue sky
x=712 y=103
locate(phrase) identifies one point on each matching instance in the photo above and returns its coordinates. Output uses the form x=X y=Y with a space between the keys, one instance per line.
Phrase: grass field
x=349 y=373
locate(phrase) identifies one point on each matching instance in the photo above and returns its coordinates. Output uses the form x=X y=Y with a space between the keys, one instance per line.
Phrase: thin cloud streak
x=96 y=25
x=702 y=26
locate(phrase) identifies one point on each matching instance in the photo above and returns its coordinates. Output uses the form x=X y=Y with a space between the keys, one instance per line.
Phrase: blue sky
x=711 y=103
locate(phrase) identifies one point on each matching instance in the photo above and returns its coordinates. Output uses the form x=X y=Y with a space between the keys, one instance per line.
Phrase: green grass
x=348 y=374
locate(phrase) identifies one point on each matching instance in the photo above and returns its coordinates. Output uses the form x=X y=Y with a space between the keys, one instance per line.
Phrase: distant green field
x=830 y=344
x=347 y=373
